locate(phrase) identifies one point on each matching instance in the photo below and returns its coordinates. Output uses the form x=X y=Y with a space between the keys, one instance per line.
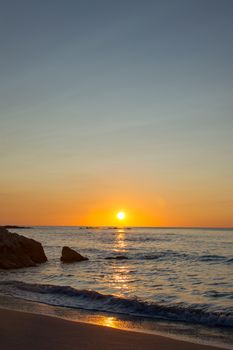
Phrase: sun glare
x=121 y=215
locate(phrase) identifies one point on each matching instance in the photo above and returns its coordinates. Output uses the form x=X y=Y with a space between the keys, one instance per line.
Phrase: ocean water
x=181 y=277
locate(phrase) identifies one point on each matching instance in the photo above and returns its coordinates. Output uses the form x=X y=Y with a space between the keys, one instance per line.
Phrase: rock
x=18 y=251
x=118 y=257
x=69 y=255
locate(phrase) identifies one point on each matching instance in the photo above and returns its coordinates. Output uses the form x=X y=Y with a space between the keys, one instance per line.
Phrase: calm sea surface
x=182 y=276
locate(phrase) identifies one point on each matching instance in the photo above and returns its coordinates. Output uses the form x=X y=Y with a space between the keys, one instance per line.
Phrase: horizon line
x=121 y=226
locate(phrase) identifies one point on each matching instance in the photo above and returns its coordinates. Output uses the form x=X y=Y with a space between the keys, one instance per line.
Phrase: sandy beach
x=20 y=330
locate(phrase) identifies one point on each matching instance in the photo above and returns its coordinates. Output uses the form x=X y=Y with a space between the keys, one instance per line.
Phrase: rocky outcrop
x=69 y=255
x=118 y=257
x=18 y=251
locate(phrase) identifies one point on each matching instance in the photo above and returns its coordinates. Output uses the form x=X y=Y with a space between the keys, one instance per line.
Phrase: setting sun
x=121 y=215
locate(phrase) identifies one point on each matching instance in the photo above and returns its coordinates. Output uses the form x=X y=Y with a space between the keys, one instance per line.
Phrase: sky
x=116 y=105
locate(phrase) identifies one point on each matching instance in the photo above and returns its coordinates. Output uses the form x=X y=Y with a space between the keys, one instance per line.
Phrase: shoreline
x=156 y=290
x=190 y=333
x=20 y=330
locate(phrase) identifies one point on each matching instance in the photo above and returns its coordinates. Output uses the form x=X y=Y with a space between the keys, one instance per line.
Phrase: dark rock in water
x=118 y=257
x=69 y=255
x=18 y=251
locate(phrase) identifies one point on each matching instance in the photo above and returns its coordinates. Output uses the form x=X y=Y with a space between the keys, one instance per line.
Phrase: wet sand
x=20 y=330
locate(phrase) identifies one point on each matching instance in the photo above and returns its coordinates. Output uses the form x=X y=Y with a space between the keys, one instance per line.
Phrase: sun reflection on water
x=120 y=278
x=120 y=268
x=120 y=244
x=108 y=322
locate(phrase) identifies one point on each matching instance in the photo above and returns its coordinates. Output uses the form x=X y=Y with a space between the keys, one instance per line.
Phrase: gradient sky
x=116 y=105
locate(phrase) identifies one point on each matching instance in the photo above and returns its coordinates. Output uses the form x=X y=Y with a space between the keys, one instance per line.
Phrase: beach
x=20 y=330
x=158 y=286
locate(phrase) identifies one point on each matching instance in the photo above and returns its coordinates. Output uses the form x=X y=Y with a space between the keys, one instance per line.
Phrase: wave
x=67 y=296
x=217 y=294
x=212 y=258
x=169 y=254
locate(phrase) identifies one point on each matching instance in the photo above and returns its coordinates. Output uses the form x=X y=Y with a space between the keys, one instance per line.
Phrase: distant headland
x=16 y=227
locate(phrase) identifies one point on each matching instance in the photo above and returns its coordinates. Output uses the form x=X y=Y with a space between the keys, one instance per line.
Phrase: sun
x=121 y=215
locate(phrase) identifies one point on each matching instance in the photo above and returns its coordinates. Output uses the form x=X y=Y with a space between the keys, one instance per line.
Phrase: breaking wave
x=67 y=296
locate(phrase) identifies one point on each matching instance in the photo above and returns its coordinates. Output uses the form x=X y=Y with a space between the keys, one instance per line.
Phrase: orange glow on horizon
x=67 y=208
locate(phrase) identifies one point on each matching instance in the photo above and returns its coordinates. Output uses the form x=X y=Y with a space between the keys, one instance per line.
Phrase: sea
x=177 y=282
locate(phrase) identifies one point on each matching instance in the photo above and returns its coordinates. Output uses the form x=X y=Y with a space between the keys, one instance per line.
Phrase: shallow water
x=178 y=275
